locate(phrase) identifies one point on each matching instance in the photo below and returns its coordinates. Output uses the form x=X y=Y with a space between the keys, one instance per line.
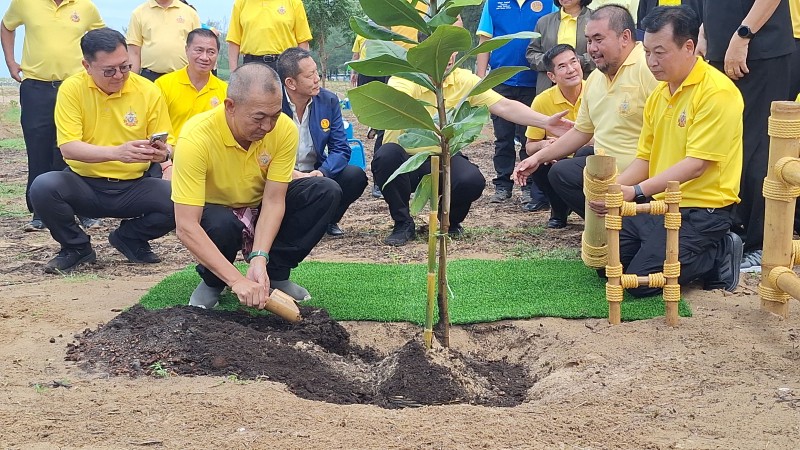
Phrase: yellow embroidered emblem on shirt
x=282 y=10
x=75 y=17
x=130 y=119
x=682 y=119
x=214 y=102
x=263 y=160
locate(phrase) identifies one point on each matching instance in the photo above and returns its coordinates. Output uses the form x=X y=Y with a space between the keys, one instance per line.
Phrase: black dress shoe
x=556 y=223
x=536 y=206
x=402 y=233
x=455 y=231
x=334 y=230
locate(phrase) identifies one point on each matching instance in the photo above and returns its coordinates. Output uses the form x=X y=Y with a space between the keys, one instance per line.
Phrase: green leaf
x=495 y=77
x=416 y=138
x=433 y=54
x=493 y=44
x=383 y=107
x=394 y=12
x=378 y=48
x=381 y=66
x=421 y=196
x=410 y=165
x=467 y=126
x=370 y=31
x=418 y=78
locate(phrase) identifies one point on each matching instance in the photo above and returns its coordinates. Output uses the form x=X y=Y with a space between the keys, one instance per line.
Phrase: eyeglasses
x=108 y=73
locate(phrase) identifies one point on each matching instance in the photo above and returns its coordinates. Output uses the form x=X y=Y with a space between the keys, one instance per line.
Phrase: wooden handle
x=283 y=305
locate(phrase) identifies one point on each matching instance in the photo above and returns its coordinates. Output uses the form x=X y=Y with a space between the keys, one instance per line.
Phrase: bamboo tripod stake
x=433 y=229
x=668 y=278
x=599 y=173
x=780 y=191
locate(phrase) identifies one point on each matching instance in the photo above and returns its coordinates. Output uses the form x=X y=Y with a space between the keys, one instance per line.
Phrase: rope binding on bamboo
x=784 y=129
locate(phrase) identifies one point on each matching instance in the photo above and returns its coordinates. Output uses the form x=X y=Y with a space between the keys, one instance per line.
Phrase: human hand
x=162 y=151
x=250 y=293
x=136 y=152
x=628 y=193
x=257 y=272
x=15 y=70
x=598 y=207
x=533 y=147
x=523 y=170
x=353 y=78
x=558 y=125
x=736 y=58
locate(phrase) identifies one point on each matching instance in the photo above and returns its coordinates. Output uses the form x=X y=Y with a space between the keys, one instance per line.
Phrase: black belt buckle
x=56 y=84
x=269 y=58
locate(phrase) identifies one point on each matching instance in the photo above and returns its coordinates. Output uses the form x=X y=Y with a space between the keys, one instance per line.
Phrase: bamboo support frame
x=446 y=188
x=668 y=278
x=433 y=229
x=600 y=172
x=780 y=192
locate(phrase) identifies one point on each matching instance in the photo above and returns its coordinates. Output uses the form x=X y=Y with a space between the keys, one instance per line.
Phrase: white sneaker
x=751 y=262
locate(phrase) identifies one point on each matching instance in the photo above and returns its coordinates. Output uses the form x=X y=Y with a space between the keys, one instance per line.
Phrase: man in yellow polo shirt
x=193 y=89
x=104 y=116
x=260 y=30
x=692 y=134
x=611 y=109
x=564 y=69
x=233 y=191
x=156 y=33
x=467 y=180
x=50 y=53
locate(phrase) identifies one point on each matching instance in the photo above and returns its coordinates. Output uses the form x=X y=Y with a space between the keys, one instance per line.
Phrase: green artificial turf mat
x=481 y=291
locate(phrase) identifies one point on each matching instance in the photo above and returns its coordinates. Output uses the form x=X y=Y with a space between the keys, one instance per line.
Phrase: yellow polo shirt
x=669 y=2
x=184 y=101
x=551 y=101
x=51 y=49
x=161 y=33
x=410 y=32
x=612 y=109
x=360 y=47
x=87 y=114
x=794 y=11
x=212 y=168
x=268 y=27
x=567 y=29
x=456 y=86
x=703 y=120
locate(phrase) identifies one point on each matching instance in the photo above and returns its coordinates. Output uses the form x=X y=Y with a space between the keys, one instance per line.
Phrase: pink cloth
x=249 y=217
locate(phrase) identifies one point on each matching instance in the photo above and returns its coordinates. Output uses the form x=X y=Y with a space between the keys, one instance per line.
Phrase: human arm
x=485 y=32
x=521 y=114
x=534 y=145
x=305 y=46
x=296 y=174
x=234 y=36
x=7 y=38
x=338 y=149
x=564 y=146
x=135 y=55
x=702 y=43
x=482 y=60
x=736 y=55
x=302 y=31
x=273 y=207
x=135 y=41
x=353 y=73
x=196 y=240
x=233 y=56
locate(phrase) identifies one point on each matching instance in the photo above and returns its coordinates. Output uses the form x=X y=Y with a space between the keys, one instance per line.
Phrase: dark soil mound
x=314 y=358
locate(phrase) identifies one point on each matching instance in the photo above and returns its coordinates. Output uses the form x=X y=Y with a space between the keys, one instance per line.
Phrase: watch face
x=744 y=31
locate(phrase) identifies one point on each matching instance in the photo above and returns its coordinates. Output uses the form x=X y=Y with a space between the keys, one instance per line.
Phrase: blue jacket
x=327 y=132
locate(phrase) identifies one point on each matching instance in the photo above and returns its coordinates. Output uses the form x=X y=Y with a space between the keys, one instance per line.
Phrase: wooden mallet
x=283 y=305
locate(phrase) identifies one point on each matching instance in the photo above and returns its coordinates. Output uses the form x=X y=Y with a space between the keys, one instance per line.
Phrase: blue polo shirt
x=502 y=17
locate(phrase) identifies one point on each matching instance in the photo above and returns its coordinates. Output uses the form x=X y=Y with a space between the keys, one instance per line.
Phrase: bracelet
x=257 y=253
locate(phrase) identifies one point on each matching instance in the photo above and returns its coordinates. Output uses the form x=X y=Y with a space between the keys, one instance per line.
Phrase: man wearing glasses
x=103 y=118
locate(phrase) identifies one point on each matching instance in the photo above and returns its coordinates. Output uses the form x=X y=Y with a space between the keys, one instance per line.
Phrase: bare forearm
x=269 y=222
x=305 y=46
x=635 y=173
x=205 y=252
x=233 y=56
x=89 y=153
x=7 y=38
x=566 y=145
x=761 y=11
x=685 y=170
x=135 y=54
x=516 y=112
x=482 y=60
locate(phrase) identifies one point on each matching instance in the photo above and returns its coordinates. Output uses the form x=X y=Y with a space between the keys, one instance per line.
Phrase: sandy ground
x=729 y=377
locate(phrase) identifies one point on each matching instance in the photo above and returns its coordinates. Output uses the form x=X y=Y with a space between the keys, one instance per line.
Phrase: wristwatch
x=745 y=32
x=638 y=194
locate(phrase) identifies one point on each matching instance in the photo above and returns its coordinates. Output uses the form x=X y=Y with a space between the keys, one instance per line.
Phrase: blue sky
x=116 y=14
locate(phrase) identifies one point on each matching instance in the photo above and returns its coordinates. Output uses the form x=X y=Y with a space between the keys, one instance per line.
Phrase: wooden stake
x=598 y=167
x=672 y=254
x=778 y=214
x=614 y=308
x=433 y=229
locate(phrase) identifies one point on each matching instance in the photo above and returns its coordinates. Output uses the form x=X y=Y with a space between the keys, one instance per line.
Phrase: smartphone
x=159 y=137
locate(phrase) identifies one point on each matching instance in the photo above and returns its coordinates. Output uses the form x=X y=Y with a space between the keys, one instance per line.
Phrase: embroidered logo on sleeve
x=537 y=6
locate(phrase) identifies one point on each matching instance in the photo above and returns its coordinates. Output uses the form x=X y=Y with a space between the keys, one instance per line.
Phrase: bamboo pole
x=778 y=212
x=599 y=173
x=614 y=267
x=673 y=233
x=788 y=282
x=446 y=188
x=433 y=228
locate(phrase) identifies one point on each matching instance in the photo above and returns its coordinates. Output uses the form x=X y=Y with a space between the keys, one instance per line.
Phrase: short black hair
x=249 y=76
x=551 y=54
x=201 y=32
x=584 y=3
x=619 y=18
x=685 y=23
x=101 y=40
x=288 y=64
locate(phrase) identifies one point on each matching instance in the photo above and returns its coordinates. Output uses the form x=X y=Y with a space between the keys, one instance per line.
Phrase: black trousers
x=558 y=207
x=467 y=183
x=566 y=180
x=794 y=79
x=352 y=181
x=643 y=240
x=310 y=204
x=145 y=202
x=767 y=81
x=150 y=75
x=505 y=154
x=37 y=100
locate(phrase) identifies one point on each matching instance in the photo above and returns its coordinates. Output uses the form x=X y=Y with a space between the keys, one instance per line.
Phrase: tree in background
x=330 y=30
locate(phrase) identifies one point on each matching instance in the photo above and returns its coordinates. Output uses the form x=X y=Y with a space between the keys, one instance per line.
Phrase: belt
x=55 y=84
x=150 y=71
x=264 y=58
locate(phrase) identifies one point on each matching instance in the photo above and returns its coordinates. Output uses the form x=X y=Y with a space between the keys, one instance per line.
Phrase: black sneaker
x=535 y=206
x=69 y=258
x=402 y=233
x=500 y=195
x=725 y=274
x=556 y=223
x=89 y=223
x=140 y=254
x=455 y=231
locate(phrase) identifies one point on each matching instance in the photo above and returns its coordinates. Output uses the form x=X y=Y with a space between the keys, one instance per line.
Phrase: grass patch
x=12 y=190
x=482 y=291
x=13 y=143
x=13 y=211
x=11 y=113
